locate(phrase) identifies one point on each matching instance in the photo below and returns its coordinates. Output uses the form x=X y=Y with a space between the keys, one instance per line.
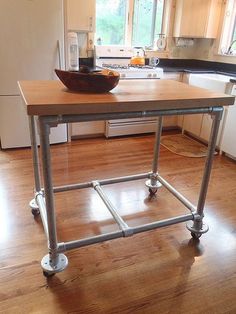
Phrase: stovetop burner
x=128 y=66
x=114 y=66
x=118 y=59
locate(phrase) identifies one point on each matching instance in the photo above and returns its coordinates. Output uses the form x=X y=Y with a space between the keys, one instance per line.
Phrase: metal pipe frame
x=76 y=186
x=178 y=195
x=49 y=198
x=55 y=261
x=65 y=246
x=153 y=184
x=197 y=228
x=122 y=225
x=54 y=120
x=157 y=146
x=35 y=155
x=43 y=213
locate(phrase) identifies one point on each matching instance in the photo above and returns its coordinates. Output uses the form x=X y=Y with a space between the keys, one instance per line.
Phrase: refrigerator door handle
x=59 y=54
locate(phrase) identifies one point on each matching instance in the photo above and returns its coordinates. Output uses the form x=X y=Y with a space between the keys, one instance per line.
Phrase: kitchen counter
x=188 y=70
x=195 y=71
x=197 y=66
x=185 y=65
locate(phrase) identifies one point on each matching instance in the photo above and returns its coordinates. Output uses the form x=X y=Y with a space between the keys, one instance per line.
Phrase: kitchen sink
x=212 y=81
x=200 y=125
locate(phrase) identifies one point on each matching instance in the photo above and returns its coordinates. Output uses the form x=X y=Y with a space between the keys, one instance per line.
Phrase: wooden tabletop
x=52 y=98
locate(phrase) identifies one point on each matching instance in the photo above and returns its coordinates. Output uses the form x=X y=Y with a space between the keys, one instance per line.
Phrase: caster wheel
x=152 y=192
x=35 y=211
x=48 y=275
x=196 y=235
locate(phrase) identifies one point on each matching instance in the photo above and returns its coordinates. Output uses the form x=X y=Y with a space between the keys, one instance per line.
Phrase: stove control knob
x=155 y=75
x=122 y=75
x=149 y=75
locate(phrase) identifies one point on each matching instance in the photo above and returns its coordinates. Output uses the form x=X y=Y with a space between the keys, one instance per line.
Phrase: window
x=128 y=22
x=228 y=38
x=111 y=21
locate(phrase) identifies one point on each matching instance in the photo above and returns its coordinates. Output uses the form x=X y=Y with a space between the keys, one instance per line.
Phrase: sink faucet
x=229 y=51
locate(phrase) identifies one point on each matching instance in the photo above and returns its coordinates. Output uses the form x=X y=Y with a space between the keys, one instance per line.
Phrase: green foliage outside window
x=111 y=21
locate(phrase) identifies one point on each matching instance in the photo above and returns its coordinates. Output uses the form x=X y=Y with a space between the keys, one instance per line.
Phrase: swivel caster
x=152 y=188
x=196 y=235
x=152 y=191
x=34 y=207
x=195 y=232
x=48 y=275
x=35 y=211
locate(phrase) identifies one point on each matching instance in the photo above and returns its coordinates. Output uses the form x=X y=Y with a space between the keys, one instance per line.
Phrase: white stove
x=118 y=59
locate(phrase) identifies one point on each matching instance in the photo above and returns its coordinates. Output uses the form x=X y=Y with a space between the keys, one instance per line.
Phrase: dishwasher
x=228 y=143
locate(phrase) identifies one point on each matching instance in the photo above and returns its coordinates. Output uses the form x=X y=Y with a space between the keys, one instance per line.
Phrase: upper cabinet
x=81 y=15
x=197 y=18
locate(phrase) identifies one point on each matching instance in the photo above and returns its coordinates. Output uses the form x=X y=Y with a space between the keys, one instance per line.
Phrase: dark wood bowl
x=95 y=82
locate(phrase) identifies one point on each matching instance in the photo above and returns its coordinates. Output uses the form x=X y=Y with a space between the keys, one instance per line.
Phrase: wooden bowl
x=95 y=82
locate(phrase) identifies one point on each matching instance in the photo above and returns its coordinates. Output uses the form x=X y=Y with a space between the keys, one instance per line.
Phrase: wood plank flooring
x=161 y=271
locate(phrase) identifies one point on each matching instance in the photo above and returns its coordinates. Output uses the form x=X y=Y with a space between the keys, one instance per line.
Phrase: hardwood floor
x=161 y=271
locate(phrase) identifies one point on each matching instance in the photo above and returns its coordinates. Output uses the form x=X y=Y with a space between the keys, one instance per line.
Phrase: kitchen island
x=54 y=104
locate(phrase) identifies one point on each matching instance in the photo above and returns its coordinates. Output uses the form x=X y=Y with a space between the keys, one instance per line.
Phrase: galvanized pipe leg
x=52 y=262
x=153 y=184
x=34 y=148
x=197 y=227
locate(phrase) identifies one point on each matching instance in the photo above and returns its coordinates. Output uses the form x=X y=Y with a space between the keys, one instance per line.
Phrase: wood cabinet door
x=197 y=18
x=81 y=15
x=193 y=123
x=194 y=17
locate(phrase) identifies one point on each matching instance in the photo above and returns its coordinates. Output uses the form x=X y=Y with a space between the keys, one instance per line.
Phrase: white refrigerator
x=32 y=46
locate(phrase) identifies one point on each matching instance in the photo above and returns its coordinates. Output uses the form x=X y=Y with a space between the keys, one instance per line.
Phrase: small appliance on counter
x=138 y=57
x=73 y=52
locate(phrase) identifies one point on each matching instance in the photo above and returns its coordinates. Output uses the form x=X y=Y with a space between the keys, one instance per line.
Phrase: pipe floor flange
x=50 y=269
x=149 y=184
x=33 y=204
x=190 y=227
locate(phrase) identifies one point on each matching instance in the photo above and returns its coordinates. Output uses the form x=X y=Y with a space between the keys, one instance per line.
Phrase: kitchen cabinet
x=200 y=125
x=176 y=76
x=193 y=124
x=81 y=15
x=86 y=129
x=197 y=18
x=173 y=121
x=228 y=144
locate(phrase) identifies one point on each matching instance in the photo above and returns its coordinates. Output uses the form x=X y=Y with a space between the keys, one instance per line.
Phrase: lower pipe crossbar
x=178 y=195
x=76 y=186
x=65 y=246
x=122 y=225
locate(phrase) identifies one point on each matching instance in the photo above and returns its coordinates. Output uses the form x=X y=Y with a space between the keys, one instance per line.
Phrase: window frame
x=228 y=29
x=129 y=21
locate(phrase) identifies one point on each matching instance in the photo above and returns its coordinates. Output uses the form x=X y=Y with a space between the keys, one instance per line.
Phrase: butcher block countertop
x=52 y=98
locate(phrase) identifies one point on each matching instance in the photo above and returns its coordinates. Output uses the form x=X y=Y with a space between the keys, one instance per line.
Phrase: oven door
x=130 y=126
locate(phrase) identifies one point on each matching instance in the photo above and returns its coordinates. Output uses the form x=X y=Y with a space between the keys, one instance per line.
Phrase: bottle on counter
x=73 y=51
